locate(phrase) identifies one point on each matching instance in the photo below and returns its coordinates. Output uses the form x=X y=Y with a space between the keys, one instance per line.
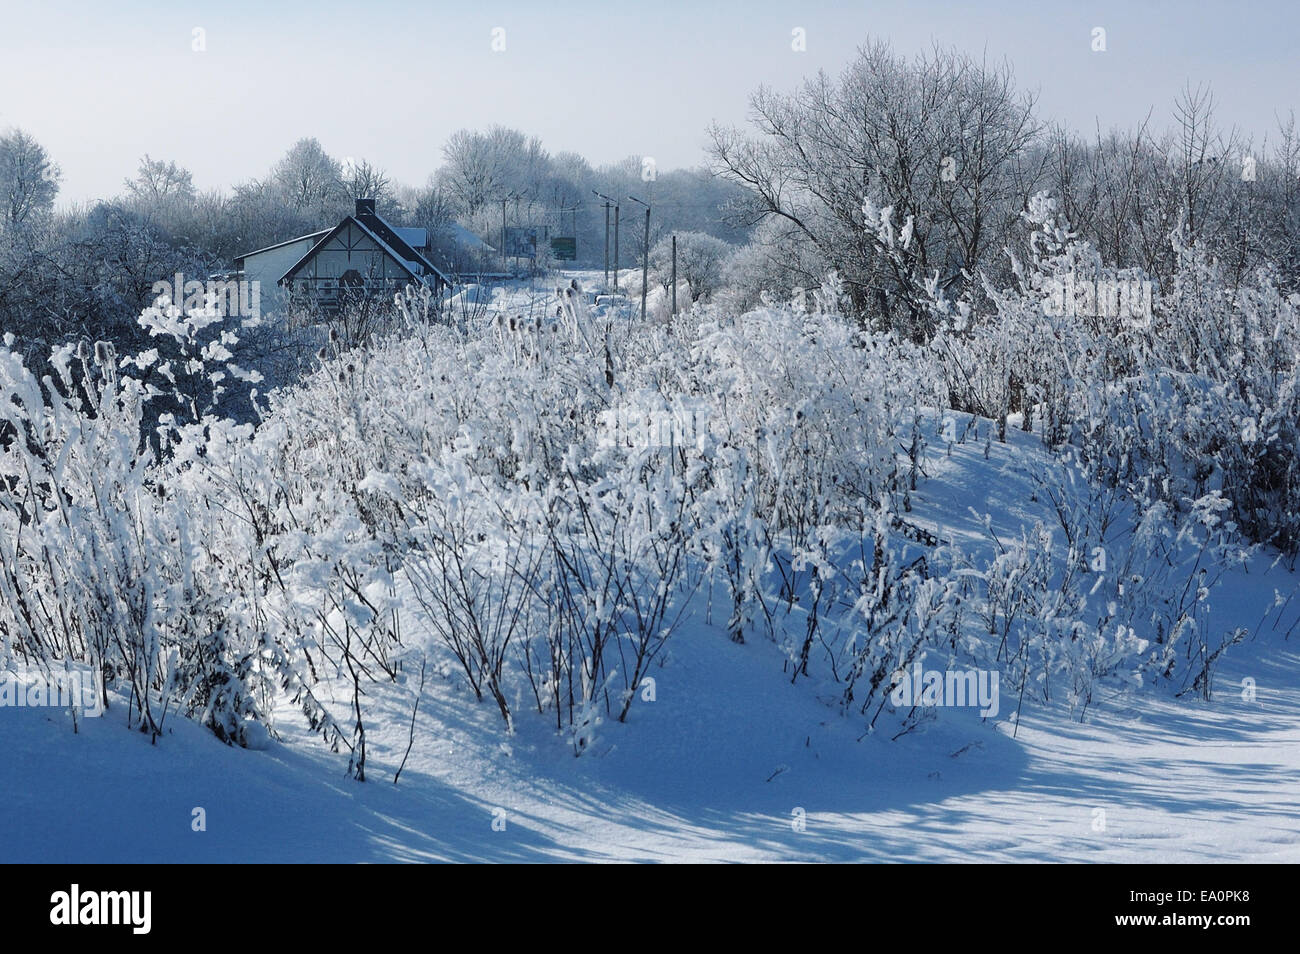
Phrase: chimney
x=365 y=206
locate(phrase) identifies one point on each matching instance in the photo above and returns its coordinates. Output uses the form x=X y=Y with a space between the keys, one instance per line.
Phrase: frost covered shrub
x=895 y=604
x=1232 y=356
x=191 y=370
x=542 y=496
x=1113 y=592
x=821 y=409
x=472 y=459
x=550 y=492
x=199 y=564
x=812 y=424
x=1200 y=394
x=103 y=561
x=1106 y=595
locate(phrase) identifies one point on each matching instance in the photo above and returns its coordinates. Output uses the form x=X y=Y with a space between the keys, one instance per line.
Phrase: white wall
x=269 y=266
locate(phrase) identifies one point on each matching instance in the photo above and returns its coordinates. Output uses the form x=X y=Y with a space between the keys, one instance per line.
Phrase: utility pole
x=608 y=202
x=645 y=255
x=503 y=234
x=517 y=220
x=674 y=275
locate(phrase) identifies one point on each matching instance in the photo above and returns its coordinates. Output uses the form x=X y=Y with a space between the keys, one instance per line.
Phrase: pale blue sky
x=101 y=84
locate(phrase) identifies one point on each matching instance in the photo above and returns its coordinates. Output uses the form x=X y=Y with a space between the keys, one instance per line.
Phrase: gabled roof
x=259 y=251
x=465 y=238
x=386 y=237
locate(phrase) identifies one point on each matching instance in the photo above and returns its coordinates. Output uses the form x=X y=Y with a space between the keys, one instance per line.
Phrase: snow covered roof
x=464 y=237
x=310 y=235
x=416 y=238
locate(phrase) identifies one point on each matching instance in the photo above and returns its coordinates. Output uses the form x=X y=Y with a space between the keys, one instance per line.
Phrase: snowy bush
x=541 y=498
x=1200 y=392
x=105 y=557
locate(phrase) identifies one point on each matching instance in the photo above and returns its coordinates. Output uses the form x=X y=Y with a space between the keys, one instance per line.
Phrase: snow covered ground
x=750 y=768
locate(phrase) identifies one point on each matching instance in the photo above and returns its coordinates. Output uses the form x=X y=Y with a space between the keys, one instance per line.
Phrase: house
x=363 y=256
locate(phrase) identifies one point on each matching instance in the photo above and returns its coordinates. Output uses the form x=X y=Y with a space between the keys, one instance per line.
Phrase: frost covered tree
x=308 y=178
x=364 y=180
x=479 y=168
x=941 y=139
x=158 y=182
x=700 y=262
x=29 y=180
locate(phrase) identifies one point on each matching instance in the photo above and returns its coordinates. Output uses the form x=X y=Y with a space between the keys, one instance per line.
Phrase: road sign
x=522 y=240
